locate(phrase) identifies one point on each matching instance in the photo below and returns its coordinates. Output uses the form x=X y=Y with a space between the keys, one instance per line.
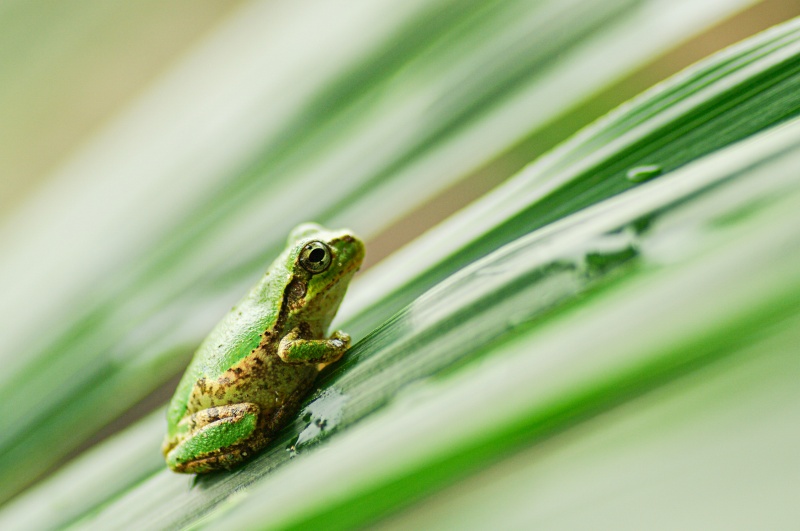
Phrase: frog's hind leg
x=214 y=439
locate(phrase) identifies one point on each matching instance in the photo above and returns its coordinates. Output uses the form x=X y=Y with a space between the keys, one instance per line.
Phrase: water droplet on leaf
x=640 y=174
x=322 y=415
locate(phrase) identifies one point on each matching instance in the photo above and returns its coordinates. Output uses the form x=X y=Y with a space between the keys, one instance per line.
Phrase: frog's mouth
x=357 y=258
x=348 y=271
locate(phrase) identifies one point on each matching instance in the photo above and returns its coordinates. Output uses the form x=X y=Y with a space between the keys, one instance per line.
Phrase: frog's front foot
x=294 y=349
x=212 y=439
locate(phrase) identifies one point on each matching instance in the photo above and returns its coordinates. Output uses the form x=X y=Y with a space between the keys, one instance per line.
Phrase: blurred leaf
x=717 y=446
x=706 y=277
x=730 y=96
x=595 y=308
x=166 y=217
x=710 y=282
x=91 y=479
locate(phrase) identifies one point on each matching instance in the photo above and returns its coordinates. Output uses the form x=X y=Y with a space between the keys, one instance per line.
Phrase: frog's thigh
x=211 y=431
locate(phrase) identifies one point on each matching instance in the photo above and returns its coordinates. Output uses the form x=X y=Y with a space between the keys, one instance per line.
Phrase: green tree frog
x=250 y=375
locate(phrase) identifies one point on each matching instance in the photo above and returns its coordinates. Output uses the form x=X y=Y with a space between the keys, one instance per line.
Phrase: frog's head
x=322 y=262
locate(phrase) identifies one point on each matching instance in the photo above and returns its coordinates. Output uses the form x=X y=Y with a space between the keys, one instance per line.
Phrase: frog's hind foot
x=214 y=439
x=223 y=461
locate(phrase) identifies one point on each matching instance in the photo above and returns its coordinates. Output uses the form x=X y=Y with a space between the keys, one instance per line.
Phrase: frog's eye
x=315 y=257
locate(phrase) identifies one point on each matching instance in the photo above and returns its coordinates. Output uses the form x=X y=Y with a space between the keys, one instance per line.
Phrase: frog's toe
x=211 y=463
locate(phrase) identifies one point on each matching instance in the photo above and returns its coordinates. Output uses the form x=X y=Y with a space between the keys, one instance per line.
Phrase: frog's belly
x=276 y=387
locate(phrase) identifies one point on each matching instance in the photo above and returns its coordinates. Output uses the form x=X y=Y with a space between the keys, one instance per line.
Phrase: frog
x=250 y=375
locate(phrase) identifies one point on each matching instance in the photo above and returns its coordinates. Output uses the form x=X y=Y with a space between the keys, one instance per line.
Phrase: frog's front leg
x=294 y=349
x=211 y=438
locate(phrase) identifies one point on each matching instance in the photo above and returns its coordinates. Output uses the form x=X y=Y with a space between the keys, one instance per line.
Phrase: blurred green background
x=154 y=156
x=68 y=68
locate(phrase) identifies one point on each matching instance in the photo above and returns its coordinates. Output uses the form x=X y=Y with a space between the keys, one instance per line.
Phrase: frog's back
x=234 y=338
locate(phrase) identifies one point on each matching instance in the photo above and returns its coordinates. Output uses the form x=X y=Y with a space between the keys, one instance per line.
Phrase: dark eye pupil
x=317 y=255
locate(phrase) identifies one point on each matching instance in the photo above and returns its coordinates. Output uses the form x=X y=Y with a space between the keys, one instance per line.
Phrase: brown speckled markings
x=275 y=387
x=268 y=425
x=261 y=378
